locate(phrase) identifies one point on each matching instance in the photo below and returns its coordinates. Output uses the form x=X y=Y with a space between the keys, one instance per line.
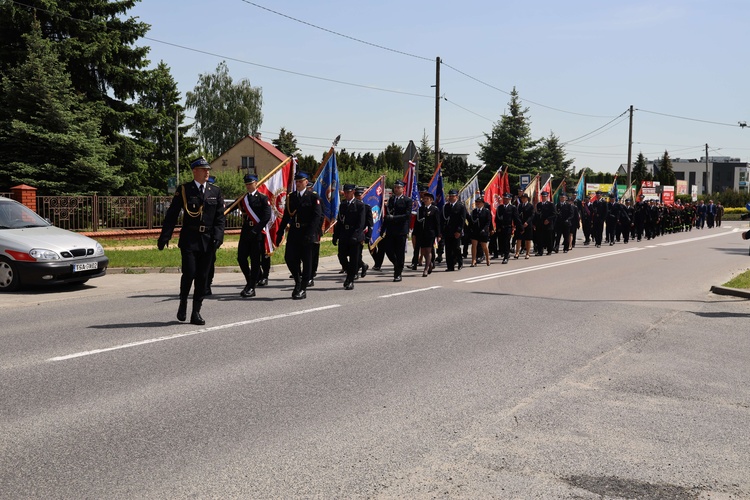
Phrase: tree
x=160 y=105
x=455 y=169
x=509 y=144
x=393 y=156
x=639 y=171
x=286 y=143
x=367 y=161
x=551 y=157
x=97 y=50
x=224 y=111
x=381 y=164
x=49 y=137
x=426 y=159
x=666 y=174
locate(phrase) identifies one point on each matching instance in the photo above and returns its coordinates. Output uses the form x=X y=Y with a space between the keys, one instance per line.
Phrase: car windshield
x=13 y=215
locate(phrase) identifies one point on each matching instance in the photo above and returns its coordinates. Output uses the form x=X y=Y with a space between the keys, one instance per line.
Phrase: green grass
x=741 y=281
x=170 y=256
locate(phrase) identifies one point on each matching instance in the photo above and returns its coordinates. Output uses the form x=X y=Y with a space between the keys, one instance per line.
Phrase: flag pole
x=472 y=178
x=260 y=183
x=327 y=156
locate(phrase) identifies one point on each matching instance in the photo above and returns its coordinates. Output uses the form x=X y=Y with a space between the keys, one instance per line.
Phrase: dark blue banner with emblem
x=374 y=197
x=327 y=188
x=435 y=187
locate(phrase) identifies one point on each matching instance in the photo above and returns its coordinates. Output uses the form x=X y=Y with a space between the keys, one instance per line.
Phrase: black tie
x=201 y=188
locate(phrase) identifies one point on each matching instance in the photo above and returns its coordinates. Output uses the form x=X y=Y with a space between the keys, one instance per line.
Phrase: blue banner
x=327 y=188
x=436 y=187
x=374 y=197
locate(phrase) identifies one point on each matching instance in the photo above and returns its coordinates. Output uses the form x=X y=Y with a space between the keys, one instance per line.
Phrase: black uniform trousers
x=453 y=256
x=252 y=246
x=196 y=265
x=395 y=248
x=598 y=229
x=349 y=254
x=504 y=235
x=299 y=260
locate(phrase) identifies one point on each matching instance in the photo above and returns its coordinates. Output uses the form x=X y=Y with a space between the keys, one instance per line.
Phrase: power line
x=337 y=33
x=242 y=61
x=597 y=129
x=686 y=118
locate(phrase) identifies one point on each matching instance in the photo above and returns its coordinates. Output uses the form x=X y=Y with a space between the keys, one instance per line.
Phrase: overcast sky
x=576 y=64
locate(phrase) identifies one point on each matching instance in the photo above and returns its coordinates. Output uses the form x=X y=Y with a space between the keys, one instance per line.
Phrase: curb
x=735 y=292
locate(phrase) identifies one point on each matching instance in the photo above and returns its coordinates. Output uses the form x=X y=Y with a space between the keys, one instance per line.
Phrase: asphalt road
x=601 y=373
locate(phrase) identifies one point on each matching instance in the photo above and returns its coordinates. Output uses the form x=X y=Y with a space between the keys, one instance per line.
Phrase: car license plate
x=86 y=266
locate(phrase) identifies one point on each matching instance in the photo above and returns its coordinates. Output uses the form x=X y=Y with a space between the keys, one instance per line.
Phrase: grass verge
x=170 y=256
x=742 y=281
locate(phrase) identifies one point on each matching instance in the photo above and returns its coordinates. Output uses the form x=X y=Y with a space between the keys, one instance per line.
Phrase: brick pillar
x=25 y=195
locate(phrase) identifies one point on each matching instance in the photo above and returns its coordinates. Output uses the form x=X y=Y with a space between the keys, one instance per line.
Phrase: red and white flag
x=276 y=187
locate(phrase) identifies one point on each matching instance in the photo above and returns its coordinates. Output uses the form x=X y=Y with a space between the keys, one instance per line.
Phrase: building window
x=248 y=165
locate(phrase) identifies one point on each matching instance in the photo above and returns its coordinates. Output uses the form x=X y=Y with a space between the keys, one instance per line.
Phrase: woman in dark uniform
x=428 y=220
x=481 y=225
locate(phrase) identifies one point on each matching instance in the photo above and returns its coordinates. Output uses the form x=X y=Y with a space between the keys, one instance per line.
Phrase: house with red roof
x=250 y=155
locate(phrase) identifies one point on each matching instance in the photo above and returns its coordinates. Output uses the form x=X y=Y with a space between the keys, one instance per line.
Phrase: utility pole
x=437 y=111
x=707 y=183
x=630 y=153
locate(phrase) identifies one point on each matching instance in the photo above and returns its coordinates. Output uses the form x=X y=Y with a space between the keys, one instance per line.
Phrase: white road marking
x=188 y=334
x=476 y=279
x=486 y=277
x=410 y=291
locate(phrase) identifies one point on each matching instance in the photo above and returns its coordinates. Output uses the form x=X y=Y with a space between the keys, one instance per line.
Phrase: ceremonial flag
x=581 y=187
x=493 y=193
x=436 y=186
x=547 y=188
x=411 y=187
x=468 y=193
x=275 y=185
x=613 y=190
x=560 y=188
x=375 y=198
x=533 y=190
x=327 y=187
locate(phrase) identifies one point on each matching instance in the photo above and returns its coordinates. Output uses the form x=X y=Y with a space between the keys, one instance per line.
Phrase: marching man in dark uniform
x=396 y=227
x=506 y=218
x=303 y=215
x=563 y=223
x=201 y=235
x=546 y=210
x=256 y=212
x=348 y=233
x=454 y=218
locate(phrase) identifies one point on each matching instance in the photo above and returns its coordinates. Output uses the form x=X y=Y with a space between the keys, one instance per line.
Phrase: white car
x=34 y=252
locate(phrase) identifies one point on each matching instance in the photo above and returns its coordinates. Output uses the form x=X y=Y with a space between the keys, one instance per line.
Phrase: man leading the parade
x=201 y=235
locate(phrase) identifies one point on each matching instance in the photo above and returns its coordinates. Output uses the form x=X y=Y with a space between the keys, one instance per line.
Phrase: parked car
x=33 y=251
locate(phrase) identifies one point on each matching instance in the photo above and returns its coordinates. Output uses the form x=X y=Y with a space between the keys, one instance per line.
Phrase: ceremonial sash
x=249 y=210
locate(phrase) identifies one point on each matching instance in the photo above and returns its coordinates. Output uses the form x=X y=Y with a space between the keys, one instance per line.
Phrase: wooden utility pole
x=630 y=154
x=437 y=112
x=707 y=182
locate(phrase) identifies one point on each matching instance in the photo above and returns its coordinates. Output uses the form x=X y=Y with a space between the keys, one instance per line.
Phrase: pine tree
x=95 y=43
x=286 y=143
x=50 y=137
x=510 y=144
x=639 y=171
x=666 y=172
x=551 y=158
x=160 y=105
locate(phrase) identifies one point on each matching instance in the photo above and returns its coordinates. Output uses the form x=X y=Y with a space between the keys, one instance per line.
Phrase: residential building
x=250 y=155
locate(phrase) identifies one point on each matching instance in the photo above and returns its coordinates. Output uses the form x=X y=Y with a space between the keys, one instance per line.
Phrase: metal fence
x=6 y=195
x=108 y=213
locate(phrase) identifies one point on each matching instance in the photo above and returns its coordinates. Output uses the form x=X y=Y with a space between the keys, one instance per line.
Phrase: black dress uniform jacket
x=203 y=219
x=428 y=220
x=304 y=216
x=481 y=220
x=351 y=222
x=398 y=215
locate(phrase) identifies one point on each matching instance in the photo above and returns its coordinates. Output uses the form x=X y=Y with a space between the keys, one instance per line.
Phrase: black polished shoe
x=195 y=319
x=376 y=268
x=182 y=311
x=505 y=261
x=365 y=267
x=262 y=282
x=413 y=267
x=342 y=271
x=397 y=278
x=248 y=291
x=299 y=294
x=208 y=292
x=310 y=283
x=349 y=285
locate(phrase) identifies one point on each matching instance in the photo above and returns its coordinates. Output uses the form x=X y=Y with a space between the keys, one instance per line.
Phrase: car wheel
x=9 y=279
